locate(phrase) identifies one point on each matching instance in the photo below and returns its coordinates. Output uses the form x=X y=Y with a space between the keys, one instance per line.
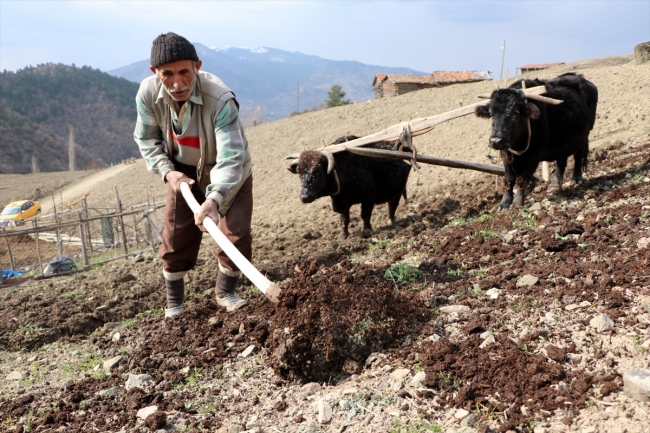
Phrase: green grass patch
x=419 y=426
x=379 y=243
x=402 y=273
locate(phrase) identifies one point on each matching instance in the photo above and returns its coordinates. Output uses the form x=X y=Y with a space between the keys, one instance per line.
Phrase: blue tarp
x=6 y=273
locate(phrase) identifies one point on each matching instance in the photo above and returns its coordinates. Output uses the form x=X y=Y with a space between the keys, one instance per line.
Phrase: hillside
x=268 y=77
x=623 y=114
x=37 y=105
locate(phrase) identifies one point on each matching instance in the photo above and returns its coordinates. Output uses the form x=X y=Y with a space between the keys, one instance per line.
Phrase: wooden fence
x=90 y=236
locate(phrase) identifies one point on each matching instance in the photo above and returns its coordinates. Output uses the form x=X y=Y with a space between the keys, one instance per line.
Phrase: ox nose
x=498 y=143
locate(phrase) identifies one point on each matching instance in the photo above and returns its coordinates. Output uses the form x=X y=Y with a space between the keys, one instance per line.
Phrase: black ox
x=352 y=179
x=555 y=132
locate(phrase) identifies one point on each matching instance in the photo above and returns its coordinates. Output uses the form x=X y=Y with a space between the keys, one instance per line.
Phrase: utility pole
x=503 y=57
x=298 y=99
x=71 y=153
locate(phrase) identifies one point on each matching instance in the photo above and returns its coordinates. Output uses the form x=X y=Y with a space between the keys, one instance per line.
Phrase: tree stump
x=642 y=53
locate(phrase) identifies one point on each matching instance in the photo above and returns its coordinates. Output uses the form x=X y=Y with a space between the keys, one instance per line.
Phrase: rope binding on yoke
x=517 y=152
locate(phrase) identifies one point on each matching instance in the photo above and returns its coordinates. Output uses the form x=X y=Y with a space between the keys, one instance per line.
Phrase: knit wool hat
x=170 y=47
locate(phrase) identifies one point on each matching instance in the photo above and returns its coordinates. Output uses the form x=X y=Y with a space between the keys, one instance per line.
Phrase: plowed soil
x=360 y=319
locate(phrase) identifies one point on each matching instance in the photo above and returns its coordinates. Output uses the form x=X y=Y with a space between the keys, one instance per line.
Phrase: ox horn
x=293 y=156
x=484 y=96
x=330 y=160
x=544 y=99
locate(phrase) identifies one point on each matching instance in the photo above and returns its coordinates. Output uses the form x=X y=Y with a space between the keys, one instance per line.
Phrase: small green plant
x=609 y=220
x=486 y=234
x=75 y=368
x=31 y=329
x=402 y=273
x=455 y=272
x=456 y=221
x=446 y=377
x=584 y=245
x=194 y=377
x=207 y=408
x=563 y=238
x=27 y=427
x=625 y=243
x=484 y=410
x=146 y=313
x=485 y=217
x=419 y=426
x=476 y=291
x=478 y=273
x=357 y=334
x=379 y=243
x=381 y=400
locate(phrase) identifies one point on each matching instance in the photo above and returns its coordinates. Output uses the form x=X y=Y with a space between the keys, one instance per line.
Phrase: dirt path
x=79 y=187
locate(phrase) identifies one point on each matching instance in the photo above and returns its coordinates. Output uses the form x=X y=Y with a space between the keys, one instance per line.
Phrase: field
x=456 y=319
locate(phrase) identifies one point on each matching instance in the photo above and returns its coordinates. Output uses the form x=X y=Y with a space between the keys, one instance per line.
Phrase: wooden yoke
x=260 y=281
x=419 y=126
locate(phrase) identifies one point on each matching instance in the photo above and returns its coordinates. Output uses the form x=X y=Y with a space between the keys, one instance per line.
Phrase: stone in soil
x=146 y=411
x=324 y=412
x=112 y=363
x=527 y=281
x=312 y=388
x=15 y=375
x=602 y=323
x=399 y=374
x=138 y=381
x=637 y=384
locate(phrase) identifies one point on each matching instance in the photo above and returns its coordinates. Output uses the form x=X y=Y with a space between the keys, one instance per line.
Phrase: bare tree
x=35 y=166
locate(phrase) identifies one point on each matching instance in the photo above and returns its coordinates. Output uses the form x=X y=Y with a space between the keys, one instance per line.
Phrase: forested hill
x=37 y=105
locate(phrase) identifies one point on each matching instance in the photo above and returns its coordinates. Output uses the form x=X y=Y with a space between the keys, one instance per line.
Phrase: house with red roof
x=387 y=85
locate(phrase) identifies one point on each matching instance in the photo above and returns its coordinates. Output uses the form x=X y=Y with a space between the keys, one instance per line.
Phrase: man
x=188 y=130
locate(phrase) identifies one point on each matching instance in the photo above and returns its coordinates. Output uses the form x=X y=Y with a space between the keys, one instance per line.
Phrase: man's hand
x=175 y=178
x=210 y=209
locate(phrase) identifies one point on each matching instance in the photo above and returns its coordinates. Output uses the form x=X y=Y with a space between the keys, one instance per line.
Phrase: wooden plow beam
x=421 y=125
x=391 y=154
x=260 y=281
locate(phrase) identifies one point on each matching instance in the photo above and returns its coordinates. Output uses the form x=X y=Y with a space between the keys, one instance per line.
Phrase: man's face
x=178 y=77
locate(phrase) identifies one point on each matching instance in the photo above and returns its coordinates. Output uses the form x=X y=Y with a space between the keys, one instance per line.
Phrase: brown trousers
x=181 y=238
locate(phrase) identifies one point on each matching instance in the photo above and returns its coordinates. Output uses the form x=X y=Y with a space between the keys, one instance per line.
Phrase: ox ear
x=533 y=111
x=293 y=168
x=482 y=111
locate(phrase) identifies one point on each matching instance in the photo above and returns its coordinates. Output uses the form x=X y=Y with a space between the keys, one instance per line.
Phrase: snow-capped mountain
x=269 y=77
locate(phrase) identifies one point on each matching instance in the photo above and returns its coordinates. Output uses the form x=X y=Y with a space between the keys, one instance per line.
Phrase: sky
x=423 y=35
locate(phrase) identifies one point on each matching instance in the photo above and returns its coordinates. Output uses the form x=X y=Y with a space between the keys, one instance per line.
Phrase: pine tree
x=335 y=97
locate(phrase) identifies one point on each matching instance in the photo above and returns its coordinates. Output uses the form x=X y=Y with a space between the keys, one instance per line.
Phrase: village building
x=538 y=66
x=387 y=85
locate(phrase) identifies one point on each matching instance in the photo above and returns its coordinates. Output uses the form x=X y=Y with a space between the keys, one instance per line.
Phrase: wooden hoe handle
x=265 y=286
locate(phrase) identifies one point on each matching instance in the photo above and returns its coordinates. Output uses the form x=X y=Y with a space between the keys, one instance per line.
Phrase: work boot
x=175 y=288
x=171 y=312
x=225 y=290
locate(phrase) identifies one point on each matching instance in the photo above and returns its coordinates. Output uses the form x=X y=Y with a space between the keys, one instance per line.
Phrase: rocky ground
x=458 y=319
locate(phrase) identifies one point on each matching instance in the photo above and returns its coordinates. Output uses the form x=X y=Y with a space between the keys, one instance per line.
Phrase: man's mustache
x=181 y=90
